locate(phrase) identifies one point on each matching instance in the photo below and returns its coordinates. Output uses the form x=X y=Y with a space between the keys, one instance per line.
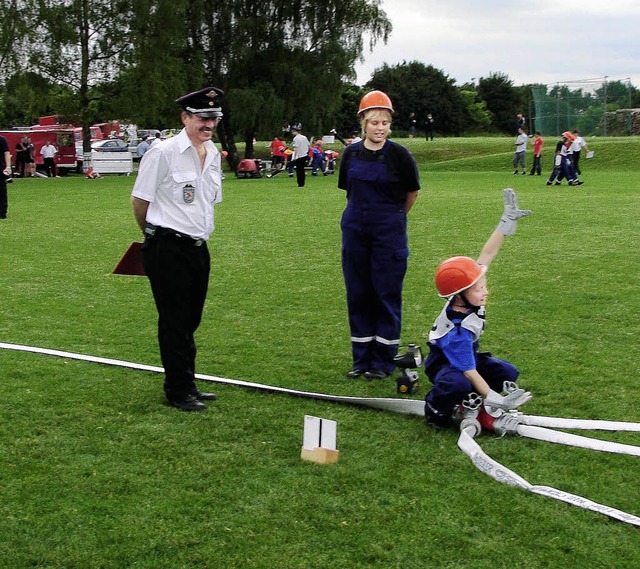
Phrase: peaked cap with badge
x=206 y=103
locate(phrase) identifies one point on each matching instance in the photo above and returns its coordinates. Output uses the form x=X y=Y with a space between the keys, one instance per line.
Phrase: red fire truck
x=62 y=138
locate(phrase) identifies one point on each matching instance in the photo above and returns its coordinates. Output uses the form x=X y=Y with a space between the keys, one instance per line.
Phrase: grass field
x=97 y=472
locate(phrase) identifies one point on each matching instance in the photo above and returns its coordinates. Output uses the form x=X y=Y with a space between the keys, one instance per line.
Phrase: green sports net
x=595 y=107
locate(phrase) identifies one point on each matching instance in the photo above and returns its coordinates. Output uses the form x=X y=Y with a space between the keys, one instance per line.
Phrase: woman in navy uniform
x=382 y=184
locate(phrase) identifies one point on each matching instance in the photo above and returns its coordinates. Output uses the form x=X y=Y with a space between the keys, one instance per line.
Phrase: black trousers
x=50 y=167
x=3 y=196
x=576 y=161
x=300 y=173
x=536 y=168
x=178 y=271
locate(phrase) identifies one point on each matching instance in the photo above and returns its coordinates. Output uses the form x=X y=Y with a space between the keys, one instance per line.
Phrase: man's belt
x=151 y=231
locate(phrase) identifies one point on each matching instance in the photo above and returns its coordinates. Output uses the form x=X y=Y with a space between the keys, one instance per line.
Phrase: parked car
x=169 y=132
x=110 y=145
x=149 y=132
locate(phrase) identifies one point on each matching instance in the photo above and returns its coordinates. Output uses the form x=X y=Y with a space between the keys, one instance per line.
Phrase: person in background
x=538 y=142
x=428 y=126
x=300 y=157
x=143 y=146
x=455 y=366
x=317 y=158
x=4 y=176
x=22 y=152
x=91 y=174
x=563 y=166
x=278 y=156
x=330 y=157
x=557 y=173
x=173 y=198
x=577 y=146
x=30 y=170
x=413 y=125
x=382 y=184
x=519 y=158
x=48 y=152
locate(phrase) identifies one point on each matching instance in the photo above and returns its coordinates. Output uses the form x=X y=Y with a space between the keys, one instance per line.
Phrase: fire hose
x=531 y=426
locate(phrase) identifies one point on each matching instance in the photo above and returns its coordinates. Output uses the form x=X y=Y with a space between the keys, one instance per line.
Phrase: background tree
x=346 y=117
x=78 y=43
x=158 y=66
x=502 y=101
x=421 y=89
x=276 y=60
x=292 y=58
x=14 y=25
x=615 y=93
x=479 y=117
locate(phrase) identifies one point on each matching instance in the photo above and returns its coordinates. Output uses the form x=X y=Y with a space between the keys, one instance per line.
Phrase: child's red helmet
x=569 y=136
x=457 y=274
x=375 y=100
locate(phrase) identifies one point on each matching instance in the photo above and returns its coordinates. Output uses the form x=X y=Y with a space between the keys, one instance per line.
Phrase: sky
x=536 y=41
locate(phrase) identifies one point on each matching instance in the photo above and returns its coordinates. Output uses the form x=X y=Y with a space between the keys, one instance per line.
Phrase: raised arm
x=507 y=226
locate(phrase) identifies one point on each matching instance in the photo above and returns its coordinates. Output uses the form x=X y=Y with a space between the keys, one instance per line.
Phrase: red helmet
x=375 y=100
x=569 y=136
x=457 y=274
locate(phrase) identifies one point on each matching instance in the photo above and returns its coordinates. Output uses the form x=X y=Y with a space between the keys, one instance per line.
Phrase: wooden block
x=320 y=455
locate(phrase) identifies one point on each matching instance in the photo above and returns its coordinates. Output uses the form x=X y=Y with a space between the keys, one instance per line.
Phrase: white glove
x=512 y=400
x=511 y=215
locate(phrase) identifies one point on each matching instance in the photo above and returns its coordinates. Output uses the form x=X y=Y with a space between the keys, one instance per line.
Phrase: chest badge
x=188 y=193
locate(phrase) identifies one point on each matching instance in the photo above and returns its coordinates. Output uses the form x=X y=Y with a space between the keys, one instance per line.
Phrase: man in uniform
x=5 y=175
x=300 y=153
x=173 y=198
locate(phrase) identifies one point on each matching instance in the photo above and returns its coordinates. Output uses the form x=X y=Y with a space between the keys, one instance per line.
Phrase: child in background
x=454 y=365
x=278 y=156
x=317 y=157
x=538 y=142
x=91 y=174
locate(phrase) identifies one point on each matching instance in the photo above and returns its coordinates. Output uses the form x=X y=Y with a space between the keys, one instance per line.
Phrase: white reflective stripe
x=388 y=342
x=365 y=339
x=490 y=467
x=362 y=339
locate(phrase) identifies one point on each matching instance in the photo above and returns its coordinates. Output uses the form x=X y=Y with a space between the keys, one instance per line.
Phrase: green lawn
x=97 y=472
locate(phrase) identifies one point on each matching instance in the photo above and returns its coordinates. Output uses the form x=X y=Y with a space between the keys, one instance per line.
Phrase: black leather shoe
x=355 y=373
x=376 y=374
x=200 y=396
x=189 y=403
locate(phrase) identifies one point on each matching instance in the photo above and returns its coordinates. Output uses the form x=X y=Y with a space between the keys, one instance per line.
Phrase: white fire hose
x=531 y=426
x=490 y=467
